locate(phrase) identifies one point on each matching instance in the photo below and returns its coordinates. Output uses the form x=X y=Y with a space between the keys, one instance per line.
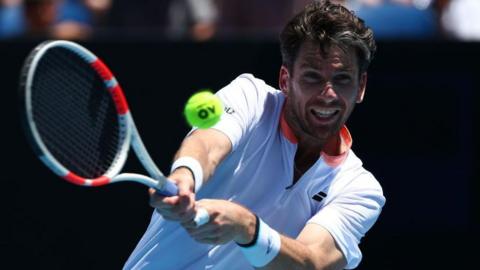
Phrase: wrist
x=193 y=166
x=248 y=233
x=265 y=248
x=183 y=174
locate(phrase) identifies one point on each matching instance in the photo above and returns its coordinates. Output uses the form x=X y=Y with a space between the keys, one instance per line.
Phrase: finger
x=154 y=193
x=157 y=199
x=212 y=239
x=202 y=216
x=208 y=230
x=174 y=200
x=186 y=201
x=163 y=202
x=183 y=188
x=167 y=215
x=174 y=212
x=199 y=216
x=162 y=206
x=151 y=191
x=189 y=224
x=182 y=207
x=181 y=215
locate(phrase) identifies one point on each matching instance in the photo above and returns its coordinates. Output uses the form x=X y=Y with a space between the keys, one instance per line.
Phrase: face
x=321 y=91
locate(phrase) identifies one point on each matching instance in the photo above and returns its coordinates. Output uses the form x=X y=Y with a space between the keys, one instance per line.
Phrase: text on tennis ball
x=203 y=113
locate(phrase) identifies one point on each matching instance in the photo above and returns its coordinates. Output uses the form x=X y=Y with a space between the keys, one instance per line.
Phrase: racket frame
x=128 y=133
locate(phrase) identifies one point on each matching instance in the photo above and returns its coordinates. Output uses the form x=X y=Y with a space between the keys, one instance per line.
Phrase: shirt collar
x=333 y=152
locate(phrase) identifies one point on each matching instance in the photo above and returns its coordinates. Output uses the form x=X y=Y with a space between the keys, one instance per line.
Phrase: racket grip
x=169 y=189
x=202 y=217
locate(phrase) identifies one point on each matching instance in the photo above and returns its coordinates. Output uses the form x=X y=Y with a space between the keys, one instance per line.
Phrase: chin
x=326 y=132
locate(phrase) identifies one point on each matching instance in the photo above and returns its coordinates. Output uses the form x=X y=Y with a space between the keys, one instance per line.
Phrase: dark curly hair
x=327 y=24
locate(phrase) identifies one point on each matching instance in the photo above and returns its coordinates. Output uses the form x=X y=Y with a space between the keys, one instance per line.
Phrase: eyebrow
x=313 y=63
x=346 y=69
x=309 y=62
x=308 y=67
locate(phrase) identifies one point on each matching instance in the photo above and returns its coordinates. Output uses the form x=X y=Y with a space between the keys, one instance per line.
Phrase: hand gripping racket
x=78 y=122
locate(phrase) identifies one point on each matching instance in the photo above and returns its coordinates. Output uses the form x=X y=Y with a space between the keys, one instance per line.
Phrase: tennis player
x=276 y=175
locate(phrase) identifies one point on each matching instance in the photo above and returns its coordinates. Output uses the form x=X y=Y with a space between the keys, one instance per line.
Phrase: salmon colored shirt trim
x=334 y=151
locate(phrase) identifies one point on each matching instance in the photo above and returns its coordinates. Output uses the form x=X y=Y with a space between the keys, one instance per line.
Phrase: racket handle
x=169 y=189
x=202 y=217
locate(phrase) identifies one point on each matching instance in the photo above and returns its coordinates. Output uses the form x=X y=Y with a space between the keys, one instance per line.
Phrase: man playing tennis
x=284 y=189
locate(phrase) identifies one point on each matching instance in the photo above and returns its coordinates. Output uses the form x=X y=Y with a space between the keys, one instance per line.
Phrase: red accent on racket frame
x=102 y=69
x=119 y=99
x=100 y=181
x=77 y=180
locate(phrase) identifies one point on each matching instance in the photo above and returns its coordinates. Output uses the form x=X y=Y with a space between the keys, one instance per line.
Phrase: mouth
x=324 y=115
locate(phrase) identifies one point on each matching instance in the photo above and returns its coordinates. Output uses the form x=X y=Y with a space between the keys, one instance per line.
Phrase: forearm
x=314 y=248
x=193 y=164
x=192 y=147
x=261 y=245
x=296 y=255
x=292 y=255
x=208 y=147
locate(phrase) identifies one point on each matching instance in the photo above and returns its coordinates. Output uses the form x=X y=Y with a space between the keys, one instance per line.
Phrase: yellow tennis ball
x=203 y=109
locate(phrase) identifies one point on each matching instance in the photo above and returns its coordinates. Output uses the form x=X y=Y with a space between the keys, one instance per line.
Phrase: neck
x=305 y=157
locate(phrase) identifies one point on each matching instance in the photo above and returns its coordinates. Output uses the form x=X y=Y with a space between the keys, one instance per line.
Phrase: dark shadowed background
x=416 y=131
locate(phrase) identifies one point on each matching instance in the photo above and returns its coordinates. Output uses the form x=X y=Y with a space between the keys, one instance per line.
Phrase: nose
x=328 y=93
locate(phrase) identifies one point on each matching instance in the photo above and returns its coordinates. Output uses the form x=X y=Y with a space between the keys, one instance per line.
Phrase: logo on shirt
x=229 y=110
x=319 y=196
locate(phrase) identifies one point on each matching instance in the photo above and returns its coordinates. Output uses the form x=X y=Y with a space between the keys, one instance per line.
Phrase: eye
x=343 y=79
x=312 y=77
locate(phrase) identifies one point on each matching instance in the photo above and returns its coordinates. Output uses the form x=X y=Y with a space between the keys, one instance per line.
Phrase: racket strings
x=74 y=114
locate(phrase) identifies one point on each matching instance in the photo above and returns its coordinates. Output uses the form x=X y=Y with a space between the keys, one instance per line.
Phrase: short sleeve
x=243 y=101
x=350 y=214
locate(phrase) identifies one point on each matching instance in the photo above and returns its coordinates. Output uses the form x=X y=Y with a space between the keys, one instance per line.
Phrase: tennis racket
x=77 y=119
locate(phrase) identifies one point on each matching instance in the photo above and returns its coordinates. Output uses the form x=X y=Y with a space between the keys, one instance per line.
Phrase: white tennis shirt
x=336 y=193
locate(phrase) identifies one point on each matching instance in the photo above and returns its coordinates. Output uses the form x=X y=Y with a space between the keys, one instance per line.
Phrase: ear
x=361 y=88
x=283 y=80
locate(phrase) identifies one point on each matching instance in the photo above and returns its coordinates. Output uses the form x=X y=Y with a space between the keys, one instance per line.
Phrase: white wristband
x=194 y=166
x=265 y=248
